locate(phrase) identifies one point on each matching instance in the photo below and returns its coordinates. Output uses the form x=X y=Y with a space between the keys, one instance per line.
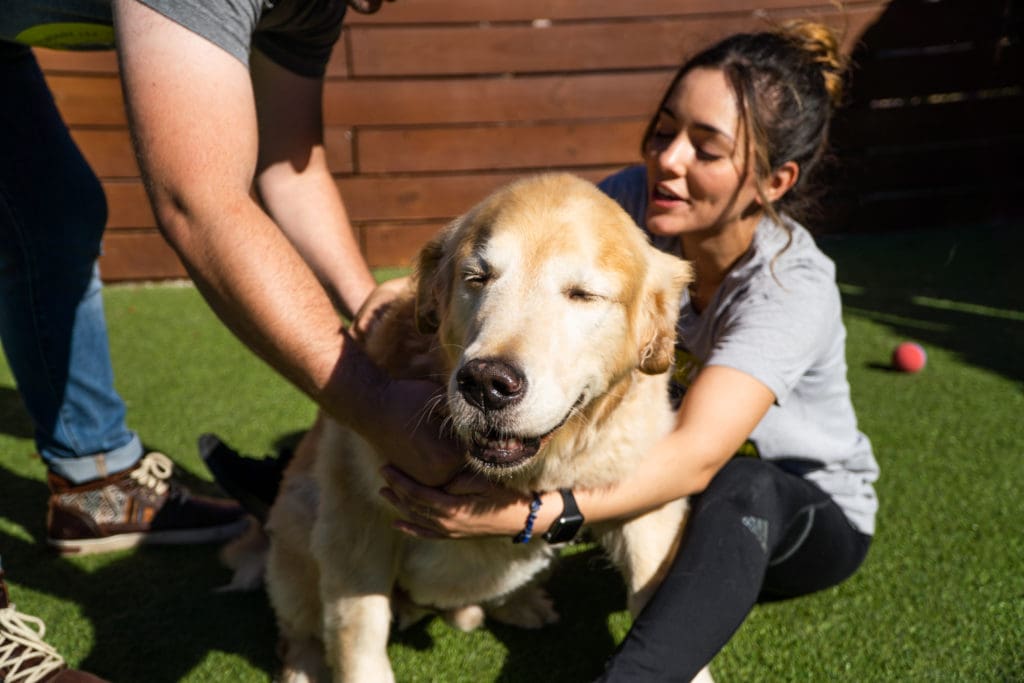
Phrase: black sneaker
x=253 y=482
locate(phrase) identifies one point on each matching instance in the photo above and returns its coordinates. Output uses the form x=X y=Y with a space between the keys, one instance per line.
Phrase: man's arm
x=195 y=126
x=193 y=118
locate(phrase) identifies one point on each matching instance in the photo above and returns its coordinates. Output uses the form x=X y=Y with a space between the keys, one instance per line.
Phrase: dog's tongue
x=502 y=452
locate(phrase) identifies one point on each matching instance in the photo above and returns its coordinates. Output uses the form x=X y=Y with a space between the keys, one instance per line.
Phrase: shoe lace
x=153 y=472
x=23 y=654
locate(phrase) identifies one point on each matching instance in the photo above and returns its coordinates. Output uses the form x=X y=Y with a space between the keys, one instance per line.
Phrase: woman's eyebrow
x=714 y=130
x=707 y=127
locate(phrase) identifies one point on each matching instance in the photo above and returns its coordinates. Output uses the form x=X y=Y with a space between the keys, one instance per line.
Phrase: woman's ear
x=781 y=180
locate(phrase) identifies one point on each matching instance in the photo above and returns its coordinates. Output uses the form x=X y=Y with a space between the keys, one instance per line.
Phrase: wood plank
x=104 y=62
x=109 y=152
x=502 y=48
x=909 y=126
x=88 y=100
x=500 y=147
x=127 y=205
x=924 y=210
x=337 y=65
x=938 y=168
x=470 y=11
x=386 y=102
x=913 y=24
x=396 y=244
x=367 y=198
x=71 y=61
x=428 y=197
x=138 y=256
x=970 y=69
x=338 y=142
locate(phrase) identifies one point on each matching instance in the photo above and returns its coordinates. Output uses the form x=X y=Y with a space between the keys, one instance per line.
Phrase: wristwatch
x=568 y=524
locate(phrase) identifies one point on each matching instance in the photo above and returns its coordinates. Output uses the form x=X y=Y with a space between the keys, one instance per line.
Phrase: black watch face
x=564 y=529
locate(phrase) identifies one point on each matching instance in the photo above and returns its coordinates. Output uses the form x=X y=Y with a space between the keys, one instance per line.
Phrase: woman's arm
x=719 y=412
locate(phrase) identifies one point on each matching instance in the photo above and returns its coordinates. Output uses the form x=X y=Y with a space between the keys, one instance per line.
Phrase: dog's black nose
x=490 y=384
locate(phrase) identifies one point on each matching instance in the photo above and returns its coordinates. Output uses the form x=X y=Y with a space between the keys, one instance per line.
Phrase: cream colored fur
x=551 y=277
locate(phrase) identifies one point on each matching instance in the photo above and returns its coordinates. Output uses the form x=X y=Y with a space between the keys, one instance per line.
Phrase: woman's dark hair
x=787 y=84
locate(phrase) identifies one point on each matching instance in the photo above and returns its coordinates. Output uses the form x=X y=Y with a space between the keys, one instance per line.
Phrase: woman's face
x=695 y=158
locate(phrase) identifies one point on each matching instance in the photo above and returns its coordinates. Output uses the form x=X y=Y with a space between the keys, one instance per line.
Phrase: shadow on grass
x=961 y=290
x=155 y=616
x=587 y=590
x=153 y=611
x=14 y=421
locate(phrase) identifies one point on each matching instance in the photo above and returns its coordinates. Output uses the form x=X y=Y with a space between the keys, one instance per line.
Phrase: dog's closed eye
x=477 y=279
x=581 y=294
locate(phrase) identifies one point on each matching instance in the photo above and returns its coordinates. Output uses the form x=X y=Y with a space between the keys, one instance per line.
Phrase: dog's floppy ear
x=432 y=281
x=659 y=310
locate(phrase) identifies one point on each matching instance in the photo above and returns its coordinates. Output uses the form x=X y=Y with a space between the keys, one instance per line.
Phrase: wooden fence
x=934 y=132
x=430 y=104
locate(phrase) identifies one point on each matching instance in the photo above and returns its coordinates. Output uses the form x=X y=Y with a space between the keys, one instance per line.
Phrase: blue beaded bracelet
x=526 y=534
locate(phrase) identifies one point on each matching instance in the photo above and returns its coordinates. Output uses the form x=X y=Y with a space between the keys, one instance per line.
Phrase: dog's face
x=544 y=297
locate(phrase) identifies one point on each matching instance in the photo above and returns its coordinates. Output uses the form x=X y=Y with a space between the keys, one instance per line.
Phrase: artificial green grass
x=940 y=597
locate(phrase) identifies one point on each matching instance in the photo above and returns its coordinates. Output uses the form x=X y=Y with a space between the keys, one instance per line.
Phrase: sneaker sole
x=106 y=544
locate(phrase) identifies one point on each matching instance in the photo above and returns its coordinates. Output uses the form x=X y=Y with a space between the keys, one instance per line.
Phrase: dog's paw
x=703 y=676
x=247 y=556
x=530 y=607
x=468 y=618
x=303 y=662
x=291 y=676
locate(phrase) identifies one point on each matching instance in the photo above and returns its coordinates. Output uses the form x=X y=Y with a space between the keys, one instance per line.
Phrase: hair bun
x=822 y=47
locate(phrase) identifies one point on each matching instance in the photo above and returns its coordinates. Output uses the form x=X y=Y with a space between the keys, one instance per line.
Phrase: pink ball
x=909 y=357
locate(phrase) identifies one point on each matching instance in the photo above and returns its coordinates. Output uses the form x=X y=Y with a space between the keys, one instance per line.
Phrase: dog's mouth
x=495 y=449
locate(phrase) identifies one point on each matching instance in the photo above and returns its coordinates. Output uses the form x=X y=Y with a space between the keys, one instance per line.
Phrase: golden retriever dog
x=552 y=321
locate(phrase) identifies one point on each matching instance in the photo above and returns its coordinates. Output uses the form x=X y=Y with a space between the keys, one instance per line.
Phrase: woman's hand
x=469 y=506
x=376 y=305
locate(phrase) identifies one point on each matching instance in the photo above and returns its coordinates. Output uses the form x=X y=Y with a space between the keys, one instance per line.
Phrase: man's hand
x=375 y=306
x=408 y=425
x=402 y=419
x=409 y=421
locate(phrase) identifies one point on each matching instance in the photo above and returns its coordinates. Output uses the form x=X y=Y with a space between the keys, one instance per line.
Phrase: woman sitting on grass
x=761 y=367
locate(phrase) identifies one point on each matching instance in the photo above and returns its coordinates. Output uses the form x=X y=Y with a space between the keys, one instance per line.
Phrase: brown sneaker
x=24 y=655
x=135 y=507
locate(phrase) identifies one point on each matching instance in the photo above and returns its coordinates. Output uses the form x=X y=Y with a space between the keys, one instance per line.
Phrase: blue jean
x=52 y=216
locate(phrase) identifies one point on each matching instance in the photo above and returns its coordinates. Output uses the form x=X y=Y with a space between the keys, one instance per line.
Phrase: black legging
x=757 y=533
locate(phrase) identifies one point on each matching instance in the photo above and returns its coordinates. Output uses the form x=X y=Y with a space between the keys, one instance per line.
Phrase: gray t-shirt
x=297 y=34
x=777 y=316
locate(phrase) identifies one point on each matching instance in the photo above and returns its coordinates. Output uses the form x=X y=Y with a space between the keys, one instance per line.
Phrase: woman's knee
x=744 y=482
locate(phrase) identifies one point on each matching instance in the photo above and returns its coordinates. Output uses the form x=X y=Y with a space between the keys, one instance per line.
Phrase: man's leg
x=106 y=494
x=52 y=216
